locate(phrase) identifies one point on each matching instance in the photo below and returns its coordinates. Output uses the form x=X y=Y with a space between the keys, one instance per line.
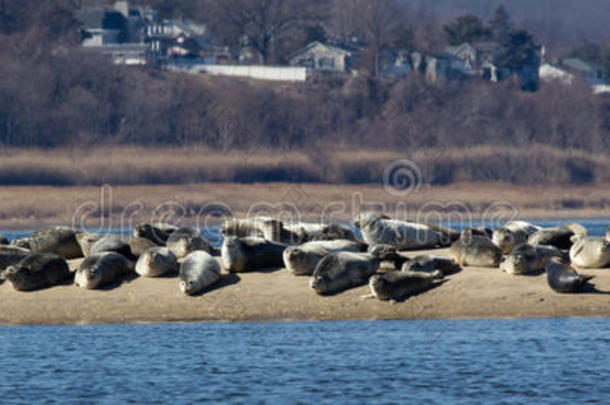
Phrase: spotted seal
x=527 y=259
x=431 y=264
x=377 y=229
x=251 y=254
x=398 y=285
x=478 y=251
x=101 y=269
x=36 y=271
x=302 y=260
x=186 y=240
x=343 y=270
x=590 y=252
x=562 y=278
x=512 y=234
x=60 y=240
x=198 y=271
x=156 y=262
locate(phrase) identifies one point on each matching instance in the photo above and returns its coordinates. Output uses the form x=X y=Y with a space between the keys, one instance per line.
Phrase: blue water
x=425 y=361
x=595 y=227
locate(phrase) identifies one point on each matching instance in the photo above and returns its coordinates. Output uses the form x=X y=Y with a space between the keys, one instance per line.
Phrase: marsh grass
x=143 y=166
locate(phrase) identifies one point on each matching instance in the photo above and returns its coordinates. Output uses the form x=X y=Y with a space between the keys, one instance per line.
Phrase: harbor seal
x=3 y=239
x=559 y=236
x=139 y=245
x=113 y=243
x=101 y=269
x=477 y=251
x=10 y=255
x=590 y=252
x=399 y=285
x=376 y=229
x=198 y=271
x=302 y=260
x=242 y=228
x=562 y=278
x=37 y=271
x=477 y=231
x=158 y=233
x=156 y=262
x=342 y=270
x=430 y=264
x=86 y=240
x=251 y=254
x=512 y=234
x=290 y=234
x=186 y=240
x=60 y=240
x=528 y=259
x=331 y=232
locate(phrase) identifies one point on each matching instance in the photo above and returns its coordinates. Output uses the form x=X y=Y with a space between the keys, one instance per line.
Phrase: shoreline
x=278 y=296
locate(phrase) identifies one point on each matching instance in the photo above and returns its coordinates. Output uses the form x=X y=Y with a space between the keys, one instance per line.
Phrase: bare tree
x=265 y=22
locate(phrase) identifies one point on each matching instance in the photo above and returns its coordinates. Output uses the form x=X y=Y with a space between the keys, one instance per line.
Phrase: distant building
x=322 y=57
x=479 y=59
x=590 y=72
x=395 y=63
x=549 y=73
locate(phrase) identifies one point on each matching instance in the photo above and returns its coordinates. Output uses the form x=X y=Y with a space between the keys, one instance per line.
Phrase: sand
x=280 y=296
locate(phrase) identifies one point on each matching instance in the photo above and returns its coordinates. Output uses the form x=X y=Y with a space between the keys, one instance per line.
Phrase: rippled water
x=515 y=361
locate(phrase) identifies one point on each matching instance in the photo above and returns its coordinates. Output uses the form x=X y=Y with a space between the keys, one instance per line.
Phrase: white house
x=323 y=57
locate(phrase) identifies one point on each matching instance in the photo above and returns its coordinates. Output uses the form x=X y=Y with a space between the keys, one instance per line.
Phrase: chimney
x=122 y=7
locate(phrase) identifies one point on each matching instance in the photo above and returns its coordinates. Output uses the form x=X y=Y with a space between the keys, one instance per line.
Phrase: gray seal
x=199 y=271
x=559 y=236
x=431 y=264
x=186 y=240
x=528 y=259
x=302 y=260
x=156 y=262
x=562 y=278
x=477 y=251
x=398 y=285
x=590 y=252
x=36 y=271
x=512 y=234
x=251 y=254
x=113 y=243
x=376 y=229
x=158 y=233
x=60 y=240
x=102 y=269
x=343 y=270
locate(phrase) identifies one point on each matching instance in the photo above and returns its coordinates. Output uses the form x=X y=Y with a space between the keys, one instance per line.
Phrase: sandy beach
x=280 y=296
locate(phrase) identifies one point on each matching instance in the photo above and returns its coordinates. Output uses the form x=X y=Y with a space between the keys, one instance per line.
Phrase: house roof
x=579 y=65
x=313 y=44
x=100 y=18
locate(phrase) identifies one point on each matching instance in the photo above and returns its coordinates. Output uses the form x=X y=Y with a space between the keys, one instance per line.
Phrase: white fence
x=276 y=73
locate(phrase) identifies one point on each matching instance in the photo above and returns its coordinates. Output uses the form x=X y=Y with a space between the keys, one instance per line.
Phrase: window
x=327 y=63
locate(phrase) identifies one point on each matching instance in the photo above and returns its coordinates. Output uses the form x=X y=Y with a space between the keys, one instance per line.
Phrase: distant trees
x=466 y=28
